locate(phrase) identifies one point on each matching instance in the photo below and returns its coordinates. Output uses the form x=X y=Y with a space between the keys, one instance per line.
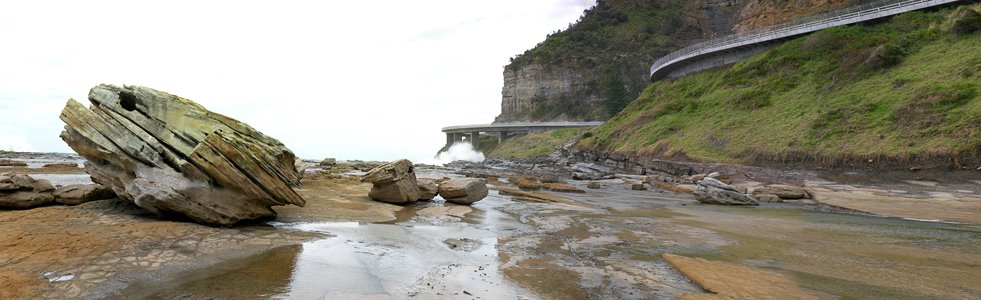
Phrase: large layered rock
x=172 y=156
x=712 y=191
x=393 y=182
x=463 y=191
x=19 y=191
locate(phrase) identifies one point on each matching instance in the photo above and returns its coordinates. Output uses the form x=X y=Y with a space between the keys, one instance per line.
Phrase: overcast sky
x=345 y=79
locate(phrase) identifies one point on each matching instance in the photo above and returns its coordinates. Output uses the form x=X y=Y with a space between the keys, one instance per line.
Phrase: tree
x=615 y=92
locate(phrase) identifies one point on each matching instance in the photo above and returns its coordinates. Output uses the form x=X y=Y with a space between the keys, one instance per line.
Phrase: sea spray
x=460 y=151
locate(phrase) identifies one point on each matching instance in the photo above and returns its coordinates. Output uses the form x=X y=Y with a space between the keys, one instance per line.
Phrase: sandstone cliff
x=599 y=64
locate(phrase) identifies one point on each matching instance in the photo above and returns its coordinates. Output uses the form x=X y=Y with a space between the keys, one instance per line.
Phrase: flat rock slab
x=730 y=281
x=171 y=156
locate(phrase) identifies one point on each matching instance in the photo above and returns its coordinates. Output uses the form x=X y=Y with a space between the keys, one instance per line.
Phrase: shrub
x=966 y=20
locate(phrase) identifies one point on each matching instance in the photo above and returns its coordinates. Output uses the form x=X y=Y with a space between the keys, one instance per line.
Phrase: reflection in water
x=390 y=261
x=359 y=261
x=261 y=276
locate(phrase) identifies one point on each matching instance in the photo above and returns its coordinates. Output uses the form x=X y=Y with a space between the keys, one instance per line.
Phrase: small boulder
x=393 y=182
x=593 y=185
x=784 y=192
x=328 y=163
x=638 y=187
x=428 y=189
x=463 y=191
x=75 y=194
x=712 y=191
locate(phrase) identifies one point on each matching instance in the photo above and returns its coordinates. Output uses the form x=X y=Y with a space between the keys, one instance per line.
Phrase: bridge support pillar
x=504 y=135
x=449 y=140
x=475 y=140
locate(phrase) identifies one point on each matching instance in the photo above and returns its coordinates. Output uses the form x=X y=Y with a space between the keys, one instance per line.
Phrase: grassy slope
x=535 y=144
x=905 y=87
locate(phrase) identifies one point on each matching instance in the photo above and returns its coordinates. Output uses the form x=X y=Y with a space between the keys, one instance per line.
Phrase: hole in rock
x=127 y=101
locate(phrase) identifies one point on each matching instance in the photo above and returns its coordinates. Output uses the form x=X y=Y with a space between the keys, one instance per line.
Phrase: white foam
x=460 y=151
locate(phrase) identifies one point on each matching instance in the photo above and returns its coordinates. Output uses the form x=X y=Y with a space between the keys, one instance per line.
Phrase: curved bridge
x=736 y=47
x=505 y=130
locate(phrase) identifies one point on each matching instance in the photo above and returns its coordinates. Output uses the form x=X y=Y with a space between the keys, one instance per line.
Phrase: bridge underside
x=474 y=137
x=503 y=131
x=712 y=60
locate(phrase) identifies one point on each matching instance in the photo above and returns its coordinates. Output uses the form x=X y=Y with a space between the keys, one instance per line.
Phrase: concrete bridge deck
x=736 y=47
x=505 y=130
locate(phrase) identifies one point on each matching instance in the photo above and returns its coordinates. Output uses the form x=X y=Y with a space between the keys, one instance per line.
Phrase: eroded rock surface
x=393 y=182
x=169 y=155
x=712 y=191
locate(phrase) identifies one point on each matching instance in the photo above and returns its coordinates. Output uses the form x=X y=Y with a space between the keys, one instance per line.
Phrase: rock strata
x=19 y=191
x=393 y=182
x=712 y=191
x=171 y=156
x=75 y=194
x=463 y=191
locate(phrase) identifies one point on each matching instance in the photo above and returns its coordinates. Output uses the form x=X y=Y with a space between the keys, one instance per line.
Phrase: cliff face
x=593 y=69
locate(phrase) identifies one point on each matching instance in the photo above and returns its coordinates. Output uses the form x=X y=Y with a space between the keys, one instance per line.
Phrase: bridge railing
x=798 y=26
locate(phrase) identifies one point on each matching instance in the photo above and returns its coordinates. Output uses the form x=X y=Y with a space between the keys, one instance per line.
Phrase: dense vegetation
x=535 y=144
x=616 y=39
x=909 y=86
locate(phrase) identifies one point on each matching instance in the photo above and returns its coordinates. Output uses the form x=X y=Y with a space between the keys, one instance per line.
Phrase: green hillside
x=906 y=87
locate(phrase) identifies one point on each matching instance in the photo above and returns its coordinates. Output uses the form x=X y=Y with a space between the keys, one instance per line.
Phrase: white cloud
x=348 y=79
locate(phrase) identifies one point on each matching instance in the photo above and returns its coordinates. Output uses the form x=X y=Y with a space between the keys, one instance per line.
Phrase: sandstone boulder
x=75 y=194
x=394 y=182
x=171 y=156
x=463 y=191
x=638 y=187
x=783 y=191
x=328 y=163
x=428 y=188
x=19 y=191
x=593 y=185
x=712 y=191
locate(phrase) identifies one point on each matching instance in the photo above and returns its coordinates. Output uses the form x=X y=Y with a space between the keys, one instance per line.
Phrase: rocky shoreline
x=169 y=200
x=115 y=245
